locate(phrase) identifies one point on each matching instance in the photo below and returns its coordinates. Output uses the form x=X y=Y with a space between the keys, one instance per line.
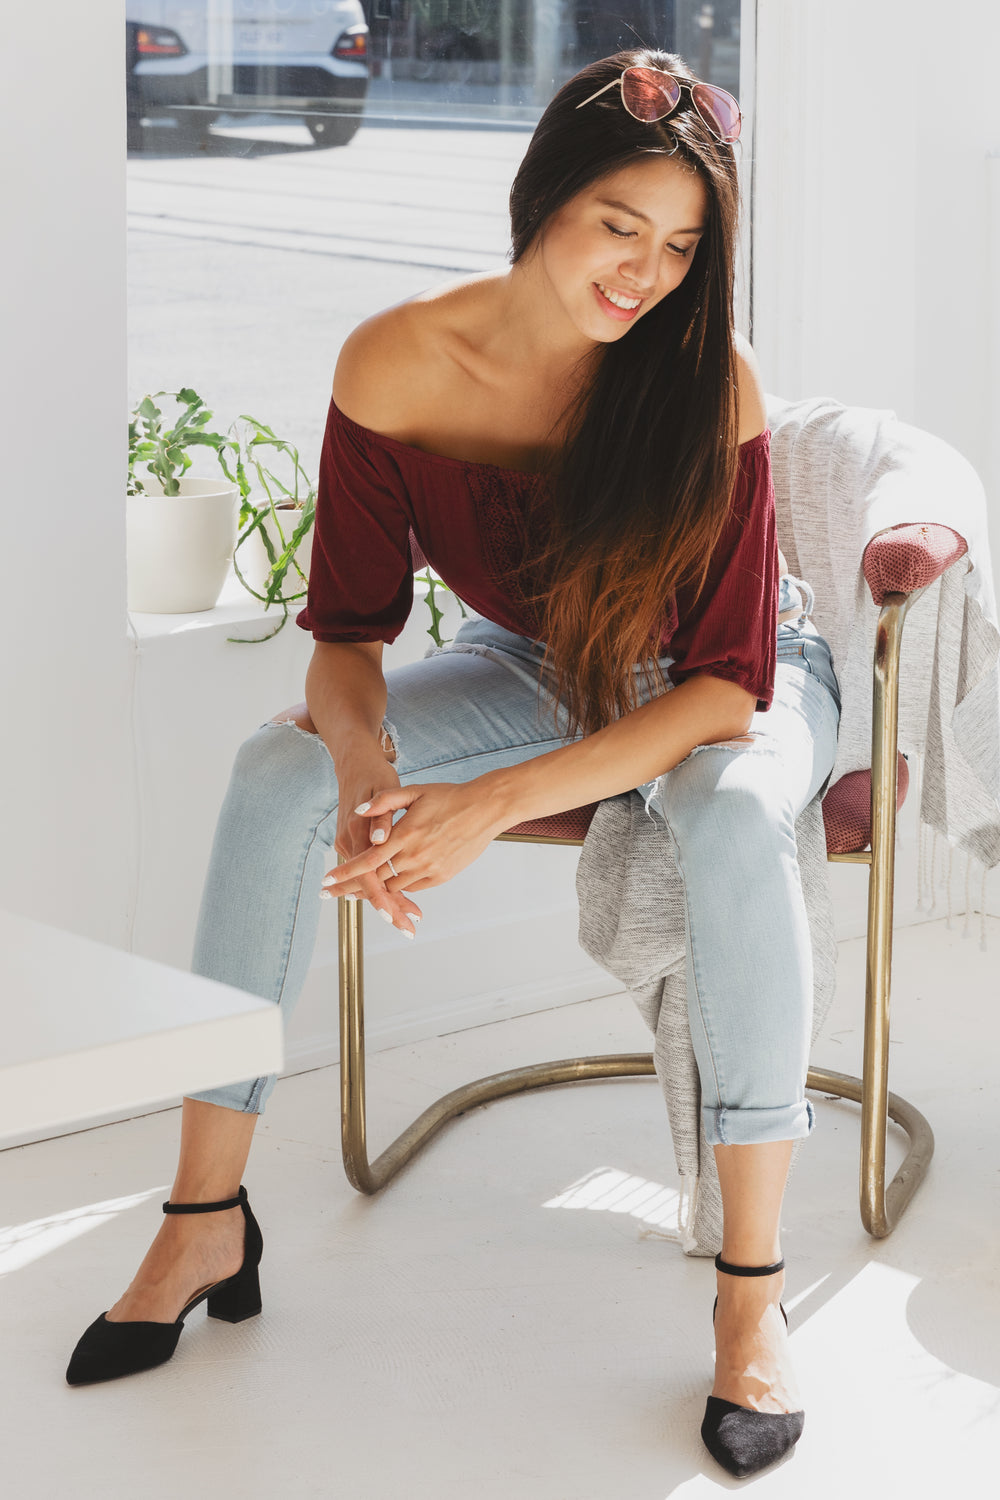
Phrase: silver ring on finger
x=392 y=867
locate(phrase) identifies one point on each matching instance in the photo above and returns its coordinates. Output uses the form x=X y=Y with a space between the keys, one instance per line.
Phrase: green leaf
x=260 y=426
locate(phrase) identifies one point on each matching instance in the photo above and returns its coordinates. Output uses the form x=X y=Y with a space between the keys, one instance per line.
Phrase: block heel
x=238 y=1299
x=109 y=1350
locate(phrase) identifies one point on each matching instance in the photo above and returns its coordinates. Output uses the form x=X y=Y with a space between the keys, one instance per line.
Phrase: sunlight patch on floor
x=612 y=1191
x=791 y=1303
x=20 y=1244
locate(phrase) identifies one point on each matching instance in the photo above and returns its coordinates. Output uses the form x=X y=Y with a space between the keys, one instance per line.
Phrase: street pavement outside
x=253 y=256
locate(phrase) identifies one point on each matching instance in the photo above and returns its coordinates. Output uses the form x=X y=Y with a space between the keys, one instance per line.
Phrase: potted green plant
x=274 y=545
x=184 y=531
x=272 y=553
x=180 y=529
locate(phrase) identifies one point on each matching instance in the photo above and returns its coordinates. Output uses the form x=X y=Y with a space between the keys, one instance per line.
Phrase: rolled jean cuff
x=757 y=1127
x=248 y=1097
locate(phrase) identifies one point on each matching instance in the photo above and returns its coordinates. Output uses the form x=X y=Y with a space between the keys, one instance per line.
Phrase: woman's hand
x=445 y=827
x=363 y=780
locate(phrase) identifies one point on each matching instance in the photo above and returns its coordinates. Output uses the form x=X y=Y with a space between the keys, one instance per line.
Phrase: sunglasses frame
x=680 y=84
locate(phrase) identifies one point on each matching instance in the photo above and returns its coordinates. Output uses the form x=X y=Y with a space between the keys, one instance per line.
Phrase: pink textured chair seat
x=847 y=808
x=564 y=825
x=847 y=814
x=910 y=557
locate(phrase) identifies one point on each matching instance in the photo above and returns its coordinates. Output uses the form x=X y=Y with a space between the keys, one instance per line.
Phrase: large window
x=297 y=164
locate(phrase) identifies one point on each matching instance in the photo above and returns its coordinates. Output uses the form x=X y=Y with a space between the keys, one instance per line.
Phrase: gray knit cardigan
x=842 y=475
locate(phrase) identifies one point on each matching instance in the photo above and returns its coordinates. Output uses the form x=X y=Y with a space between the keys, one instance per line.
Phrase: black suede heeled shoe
x=108 y=1350
x=744 y=1441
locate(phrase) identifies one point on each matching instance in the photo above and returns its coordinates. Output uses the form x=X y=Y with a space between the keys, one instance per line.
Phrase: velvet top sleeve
x=361 y=574
x=729 y=630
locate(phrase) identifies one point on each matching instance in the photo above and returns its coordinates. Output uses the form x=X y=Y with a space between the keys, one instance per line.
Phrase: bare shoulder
x=751 y=410
x=376 y=367
x=400 y=364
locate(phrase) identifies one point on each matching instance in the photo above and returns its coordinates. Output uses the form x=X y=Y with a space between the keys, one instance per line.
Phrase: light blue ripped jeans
x=476 y=706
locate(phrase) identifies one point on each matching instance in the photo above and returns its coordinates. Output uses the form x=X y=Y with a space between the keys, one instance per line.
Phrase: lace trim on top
x=501 y=503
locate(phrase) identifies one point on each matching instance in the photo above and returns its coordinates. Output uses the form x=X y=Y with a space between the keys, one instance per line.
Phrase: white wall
x=66 y=796
x=877 y=212
x=876 y=237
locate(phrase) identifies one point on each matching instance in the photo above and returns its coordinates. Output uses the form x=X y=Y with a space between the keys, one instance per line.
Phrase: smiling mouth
x=618 y=299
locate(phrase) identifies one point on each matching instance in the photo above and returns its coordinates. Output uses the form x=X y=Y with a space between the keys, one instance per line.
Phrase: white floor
x=465 y=1336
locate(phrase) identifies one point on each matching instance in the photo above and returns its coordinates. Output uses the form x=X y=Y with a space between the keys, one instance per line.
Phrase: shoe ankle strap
x=723 y=1265
x=206 y=1208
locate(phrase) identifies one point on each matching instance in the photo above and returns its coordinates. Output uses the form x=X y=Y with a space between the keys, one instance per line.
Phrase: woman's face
x=623 y=244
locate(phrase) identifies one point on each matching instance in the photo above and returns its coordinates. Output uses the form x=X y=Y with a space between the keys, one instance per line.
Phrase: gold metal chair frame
x=881 y=1207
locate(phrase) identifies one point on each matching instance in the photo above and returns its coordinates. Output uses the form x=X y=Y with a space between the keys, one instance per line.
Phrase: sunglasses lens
x=649 y=94
x=719 y=110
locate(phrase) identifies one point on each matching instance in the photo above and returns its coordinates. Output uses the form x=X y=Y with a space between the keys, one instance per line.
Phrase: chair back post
x=880 y=1211
x=352 y=1046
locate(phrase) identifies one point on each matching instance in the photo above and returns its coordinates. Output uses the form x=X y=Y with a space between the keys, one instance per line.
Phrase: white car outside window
x=194 y=59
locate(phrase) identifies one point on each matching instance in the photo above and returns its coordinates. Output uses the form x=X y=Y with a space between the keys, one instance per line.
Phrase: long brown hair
x=642 y=484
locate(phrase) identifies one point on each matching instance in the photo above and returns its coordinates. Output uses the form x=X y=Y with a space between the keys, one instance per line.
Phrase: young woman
x=579 y=446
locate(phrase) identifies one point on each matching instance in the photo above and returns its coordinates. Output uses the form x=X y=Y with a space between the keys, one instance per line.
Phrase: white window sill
x=236 y=608
x=238 y=613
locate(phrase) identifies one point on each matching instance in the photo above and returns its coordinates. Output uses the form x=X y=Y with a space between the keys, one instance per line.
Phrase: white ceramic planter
x=179 y=546
x=254 y=563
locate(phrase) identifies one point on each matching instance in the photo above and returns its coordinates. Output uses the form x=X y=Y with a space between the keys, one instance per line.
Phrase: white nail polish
x=385 y=915
x=326 y=895
x=328 y=880
x=378 y=837
x=414 y=917
x=350 y=896
x=363 y=808
x=405 y=933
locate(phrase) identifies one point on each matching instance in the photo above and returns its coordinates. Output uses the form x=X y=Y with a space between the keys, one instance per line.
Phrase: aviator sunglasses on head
x=650 y=94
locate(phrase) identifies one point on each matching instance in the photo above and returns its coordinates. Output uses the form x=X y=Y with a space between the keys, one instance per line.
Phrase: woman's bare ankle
x=215 y=1144
x=190 y=1252
x=753 y=1366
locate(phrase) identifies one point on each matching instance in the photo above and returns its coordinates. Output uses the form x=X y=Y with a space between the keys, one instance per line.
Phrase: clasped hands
x=444 y=827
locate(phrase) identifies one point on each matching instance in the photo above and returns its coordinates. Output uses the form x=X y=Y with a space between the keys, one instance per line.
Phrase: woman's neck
x=521 y=366
x=531 y=328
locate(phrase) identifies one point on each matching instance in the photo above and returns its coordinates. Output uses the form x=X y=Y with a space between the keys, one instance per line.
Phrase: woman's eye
x=620 y=234
x=683 y=250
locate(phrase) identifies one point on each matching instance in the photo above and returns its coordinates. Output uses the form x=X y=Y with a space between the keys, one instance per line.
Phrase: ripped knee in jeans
x=652 y=789
x=388 y=741
x=739 y=743
x=300 y=719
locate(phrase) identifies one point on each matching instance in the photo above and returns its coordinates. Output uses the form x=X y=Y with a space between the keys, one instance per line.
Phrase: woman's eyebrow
x=626 y=209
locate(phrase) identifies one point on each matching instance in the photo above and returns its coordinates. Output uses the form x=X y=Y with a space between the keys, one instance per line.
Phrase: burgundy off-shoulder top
x=470 y=522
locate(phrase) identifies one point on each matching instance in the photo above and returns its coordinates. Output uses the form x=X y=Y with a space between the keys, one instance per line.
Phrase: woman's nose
x=641 y=269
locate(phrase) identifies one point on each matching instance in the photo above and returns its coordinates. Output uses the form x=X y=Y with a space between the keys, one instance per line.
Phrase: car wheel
x=191 y=128
x=134 y=137
x=333 y=130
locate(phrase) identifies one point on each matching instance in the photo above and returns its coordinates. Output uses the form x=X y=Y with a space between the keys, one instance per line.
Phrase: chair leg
x=881 y=1208
x=884 y=1211
x=370 y=1177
